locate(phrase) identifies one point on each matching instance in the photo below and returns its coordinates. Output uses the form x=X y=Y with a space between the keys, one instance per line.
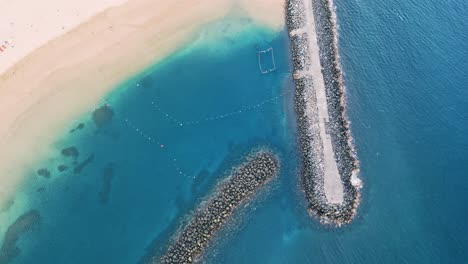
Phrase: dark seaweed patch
x=83 y=164
x=7 y=205
x=24 y=223
x=71 y=152
x=102 y=116
x=107 y=176
x=62 y=167
x=44 y=173
x=79 y=127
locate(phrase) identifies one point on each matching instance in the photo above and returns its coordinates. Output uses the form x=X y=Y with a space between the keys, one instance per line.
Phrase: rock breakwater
x=259 y=168
x=304 y=19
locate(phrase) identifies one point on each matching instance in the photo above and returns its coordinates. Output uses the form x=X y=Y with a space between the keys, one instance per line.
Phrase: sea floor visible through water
x=403 y=63
x=165 y=137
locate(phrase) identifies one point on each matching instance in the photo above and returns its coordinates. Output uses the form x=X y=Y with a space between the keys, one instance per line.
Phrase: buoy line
x=225 y=115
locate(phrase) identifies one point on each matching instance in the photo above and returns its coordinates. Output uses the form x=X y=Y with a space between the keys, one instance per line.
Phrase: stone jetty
x=245 y=180
x=329 y=165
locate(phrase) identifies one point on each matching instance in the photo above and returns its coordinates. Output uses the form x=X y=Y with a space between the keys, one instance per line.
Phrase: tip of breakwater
x=257 y=169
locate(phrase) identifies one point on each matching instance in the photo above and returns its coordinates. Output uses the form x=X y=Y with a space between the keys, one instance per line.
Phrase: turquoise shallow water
x=404 y=67
x=154 y=170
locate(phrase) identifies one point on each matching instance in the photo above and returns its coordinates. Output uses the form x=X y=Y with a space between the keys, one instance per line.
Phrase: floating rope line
x=140 y=132
x=159 y=143
x=167 y=115
x=132 y=127
x=152 y=140
x=178 y=169
x=219 y=116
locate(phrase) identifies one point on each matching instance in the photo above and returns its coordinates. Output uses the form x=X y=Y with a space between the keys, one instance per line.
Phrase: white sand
x=30 y=24
x=54 y=75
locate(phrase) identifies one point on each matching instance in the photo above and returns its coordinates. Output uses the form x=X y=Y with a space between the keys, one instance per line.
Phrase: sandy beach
x=67 y=56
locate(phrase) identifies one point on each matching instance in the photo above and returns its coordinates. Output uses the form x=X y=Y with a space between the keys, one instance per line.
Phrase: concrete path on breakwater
x=333 y=186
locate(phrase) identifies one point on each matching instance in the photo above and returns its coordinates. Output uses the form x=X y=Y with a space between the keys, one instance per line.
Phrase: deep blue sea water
x=405 y=70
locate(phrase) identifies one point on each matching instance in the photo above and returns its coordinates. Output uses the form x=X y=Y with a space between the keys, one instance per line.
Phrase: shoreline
x=90 y=61
x=313 y=169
